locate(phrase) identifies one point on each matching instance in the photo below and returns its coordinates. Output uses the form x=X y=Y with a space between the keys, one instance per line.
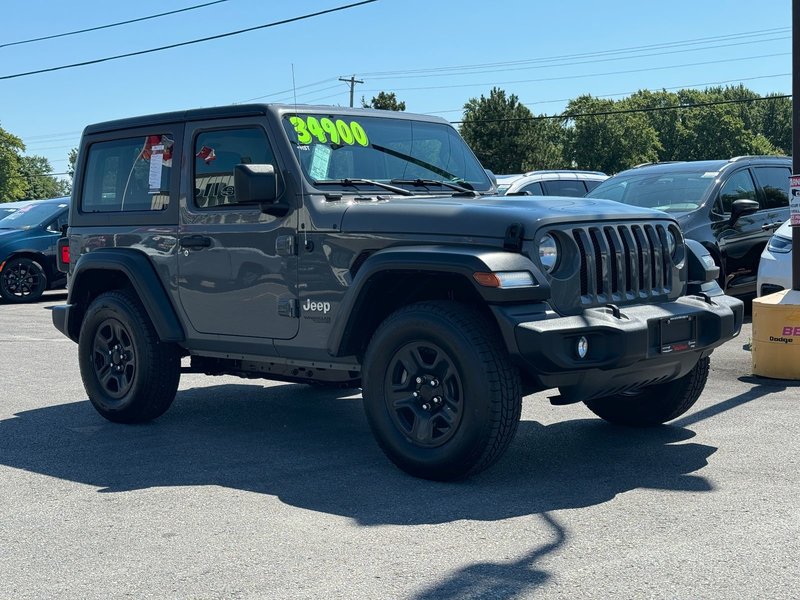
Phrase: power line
x=76 y=32
x=377 y=74
x=626 y=111
x=290 y=90
x=190 y=42
x=580 y=62
x=674 y=87
x=625 y=72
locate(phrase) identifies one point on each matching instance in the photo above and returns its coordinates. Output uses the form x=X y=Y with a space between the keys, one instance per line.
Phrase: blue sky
x=429 y=52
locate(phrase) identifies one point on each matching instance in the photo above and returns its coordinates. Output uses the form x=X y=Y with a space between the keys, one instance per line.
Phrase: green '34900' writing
x=340 y=132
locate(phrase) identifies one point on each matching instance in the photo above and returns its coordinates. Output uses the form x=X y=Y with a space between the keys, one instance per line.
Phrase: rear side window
x=591 y=184
x=775 y=183
x=565 y=187
x=129 y=174
x=216 y=153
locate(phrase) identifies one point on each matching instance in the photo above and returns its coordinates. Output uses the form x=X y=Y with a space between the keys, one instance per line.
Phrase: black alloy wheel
x=22 y=280
x=424 y=397
x=114 y=358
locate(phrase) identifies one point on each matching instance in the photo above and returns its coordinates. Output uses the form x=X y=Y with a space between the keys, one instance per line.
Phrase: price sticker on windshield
x=321 y=130
x=794 y=200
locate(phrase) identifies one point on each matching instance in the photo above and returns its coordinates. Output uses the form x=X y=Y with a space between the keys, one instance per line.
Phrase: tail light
x=63 y=255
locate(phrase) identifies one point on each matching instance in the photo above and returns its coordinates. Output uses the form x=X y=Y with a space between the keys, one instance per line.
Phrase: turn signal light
x=505 y=279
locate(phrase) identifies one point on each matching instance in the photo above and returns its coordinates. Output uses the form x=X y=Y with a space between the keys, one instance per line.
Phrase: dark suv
x=730 y=206
x=28 y=239
x=359 y=247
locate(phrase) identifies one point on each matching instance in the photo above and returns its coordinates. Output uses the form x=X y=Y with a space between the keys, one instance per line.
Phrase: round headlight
x=548 y=253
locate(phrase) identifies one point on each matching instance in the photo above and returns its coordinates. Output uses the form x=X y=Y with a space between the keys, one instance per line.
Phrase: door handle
x=769 y=226
x=195 y=241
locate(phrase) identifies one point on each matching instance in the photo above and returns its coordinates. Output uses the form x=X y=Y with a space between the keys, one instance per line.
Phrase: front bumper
x=626 y=351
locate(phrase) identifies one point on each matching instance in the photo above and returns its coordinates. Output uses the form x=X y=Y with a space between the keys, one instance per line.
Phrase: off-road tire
x=655 y=404
x=22 y=280
x=479 y=391
x=130 y=375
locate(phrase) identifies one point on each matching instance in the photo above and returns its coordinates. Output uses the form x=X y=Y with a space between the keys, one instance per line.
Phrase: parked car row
x=733 y=207
x=28 y=238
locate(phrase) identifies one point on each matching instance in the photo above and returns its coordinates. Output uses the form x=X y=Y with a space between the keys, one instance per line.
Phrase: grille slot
x=623 y=263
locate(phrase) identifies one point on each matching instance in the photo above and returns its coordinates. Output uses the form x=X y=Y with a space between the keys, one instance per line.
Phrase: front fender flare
x=463 y=261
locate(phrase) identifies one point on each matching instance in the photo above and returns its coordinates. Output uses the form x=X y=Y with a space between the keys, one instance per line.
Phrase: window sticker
x=313 y=130
x=320 y=160
x=156 y=166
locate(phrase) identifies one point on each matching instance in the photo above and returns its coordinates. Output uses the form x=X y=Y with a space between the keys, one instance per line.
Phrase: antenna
x=302 y=184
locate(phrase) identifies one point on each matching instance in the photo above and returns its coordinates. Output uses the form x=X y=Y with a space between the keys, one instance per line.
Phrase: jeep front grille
x=623 y=262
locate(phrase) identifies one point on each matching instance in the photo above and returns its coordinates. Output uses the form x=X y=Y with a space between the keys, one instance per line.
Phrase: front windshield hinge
x=333 y=197
x=515 y=233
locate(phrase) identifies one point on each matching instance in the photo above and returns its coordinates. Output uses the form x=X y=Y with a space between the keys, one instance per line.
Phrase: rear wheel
x=655 y=404
x=22 y=280
x=130 y=375
x=440 y=393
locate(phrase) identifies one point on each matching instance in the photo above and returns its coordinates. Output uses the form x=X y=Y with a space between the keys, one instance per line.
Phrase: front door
x=234 y=276
x=742 y=242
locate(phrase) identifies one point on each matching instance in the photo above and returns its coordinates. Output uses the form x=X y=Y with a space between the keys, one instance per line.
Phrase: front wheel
x=22 y=280
x=440 y=393
x=655 y=404
x=130 y=375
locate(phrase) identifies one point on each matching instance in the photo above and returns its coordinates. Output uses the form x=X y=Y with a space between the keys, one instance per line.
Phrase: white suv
x=550 y=183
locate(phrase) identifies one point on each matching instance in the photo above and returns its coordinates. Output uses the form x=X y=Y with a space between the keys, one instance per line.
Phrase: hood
x=485 y=216
x=11 y=235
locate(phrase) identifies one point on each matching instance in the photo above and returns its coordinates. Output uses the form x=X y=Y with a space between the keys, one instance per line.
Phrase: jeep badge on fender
x=368 y=248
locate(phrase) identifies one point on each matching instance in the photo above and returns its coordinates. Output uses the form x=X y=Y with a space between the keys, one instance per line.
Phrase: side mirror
x=741 y=208
x=255 y=184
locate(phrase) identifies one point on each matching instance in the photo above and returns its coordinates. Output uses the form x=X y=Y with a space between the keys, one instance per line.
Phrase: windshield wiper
x=461 y=189
x=356 y=182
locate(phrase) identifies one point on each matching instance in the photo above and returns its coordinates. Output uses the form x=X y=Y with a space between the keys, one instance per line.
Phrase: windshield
x=32 y=215
x=672 y=191
x=336 y=150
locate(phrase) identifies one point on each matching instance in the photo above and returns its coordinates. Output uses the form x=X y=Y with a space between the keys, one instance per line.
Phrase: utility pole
x=352 y=81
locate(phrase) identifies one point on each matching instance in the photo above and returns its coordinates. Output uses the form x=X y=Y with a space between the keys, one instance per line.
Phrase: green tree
x=12 y=183
x=384 y=101
x=497 y=129
x=775 y=122
x=602 y=137
x=38 y=181
x=72 y=157
x=543 y=142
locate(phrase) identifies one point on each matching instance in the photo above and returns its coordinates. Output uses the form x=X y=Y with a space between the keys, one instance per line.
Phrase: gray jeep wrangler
x=367 y=248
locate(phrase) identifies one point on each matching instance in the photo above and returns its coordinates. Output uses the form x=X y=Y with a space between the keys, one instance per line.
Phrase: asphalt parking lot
x=249 y=489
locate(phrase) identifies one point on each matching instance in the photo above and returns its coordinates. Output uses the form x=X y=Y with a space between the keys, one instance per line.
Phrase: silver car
x=550 y=183
x=775 y=266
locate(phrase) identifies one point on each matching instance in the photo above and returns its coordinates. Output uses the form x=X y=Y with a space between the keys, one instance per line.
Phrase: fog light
x=583 y=347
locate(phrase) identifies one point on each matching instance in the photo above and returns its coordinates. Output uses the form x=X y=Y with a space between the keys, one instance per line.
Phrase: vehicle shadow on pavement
x=313 y=449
